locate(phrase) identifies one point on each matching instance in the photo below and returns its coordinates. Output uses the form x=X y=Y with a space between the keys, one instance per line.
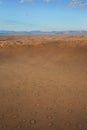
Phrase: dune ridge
x=71 y=41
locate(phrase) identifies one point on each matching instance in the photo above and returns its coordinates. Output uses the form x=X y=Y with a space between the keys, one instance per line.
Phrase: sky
x=43 y=15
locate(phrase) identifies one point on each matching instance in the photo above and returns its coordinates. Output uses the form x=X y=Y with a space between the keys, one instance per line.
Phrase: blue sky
x=44 y=15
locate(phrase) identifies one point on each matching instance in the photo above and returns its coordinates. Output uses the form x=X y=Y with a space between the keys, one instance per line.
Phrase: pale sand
x=43 y=83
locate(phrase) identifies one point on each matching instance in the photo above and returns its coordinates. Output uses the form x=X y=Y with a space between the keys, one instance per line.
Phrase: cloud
x=10 y=21
x=78 y=3
x=22 y=1
x=51 y=0
x=26 y=14
x=73 y=3
x=47 y=0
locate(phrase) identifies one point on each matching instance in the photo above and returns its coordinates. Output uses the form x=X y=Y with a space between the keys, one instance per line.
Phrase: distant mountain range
x=36 y=33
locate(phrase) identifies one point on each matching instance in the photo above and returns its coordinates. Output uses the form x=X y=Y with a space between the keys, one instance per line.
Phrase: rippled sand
x=43 y=83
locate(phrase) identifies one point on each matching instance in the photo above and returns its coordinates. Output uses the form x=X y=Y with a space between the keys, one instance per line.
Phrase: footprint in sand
x=69 y=111
x=80 y=126
x=67 y=124
x=51 y=124
x=32 y=122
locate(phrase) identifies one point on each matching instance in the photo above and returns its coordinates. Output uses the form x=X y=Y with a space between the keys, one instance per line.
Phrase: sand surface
x=43 y=83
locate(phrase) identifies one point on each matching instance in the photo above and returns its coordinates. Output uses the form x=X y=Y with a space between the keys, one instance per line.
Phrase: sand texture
x=43 y=83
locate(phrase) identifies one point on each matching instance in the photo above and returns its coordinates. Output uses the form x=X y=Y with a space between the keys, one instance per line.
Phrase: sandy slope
x=43 y=83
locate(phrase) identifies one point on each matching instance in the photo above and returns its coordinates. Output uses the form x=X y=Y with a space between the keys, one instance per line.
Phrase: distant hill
x=36 y=33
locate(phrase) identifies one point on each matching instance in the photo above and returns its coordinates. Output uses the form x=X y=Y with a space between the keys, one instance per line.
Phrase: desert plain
x=43 y=83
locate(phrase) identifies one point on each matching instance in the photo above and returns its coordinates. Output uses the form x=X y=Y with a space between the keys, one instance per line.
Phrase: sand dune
x=43 y=83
